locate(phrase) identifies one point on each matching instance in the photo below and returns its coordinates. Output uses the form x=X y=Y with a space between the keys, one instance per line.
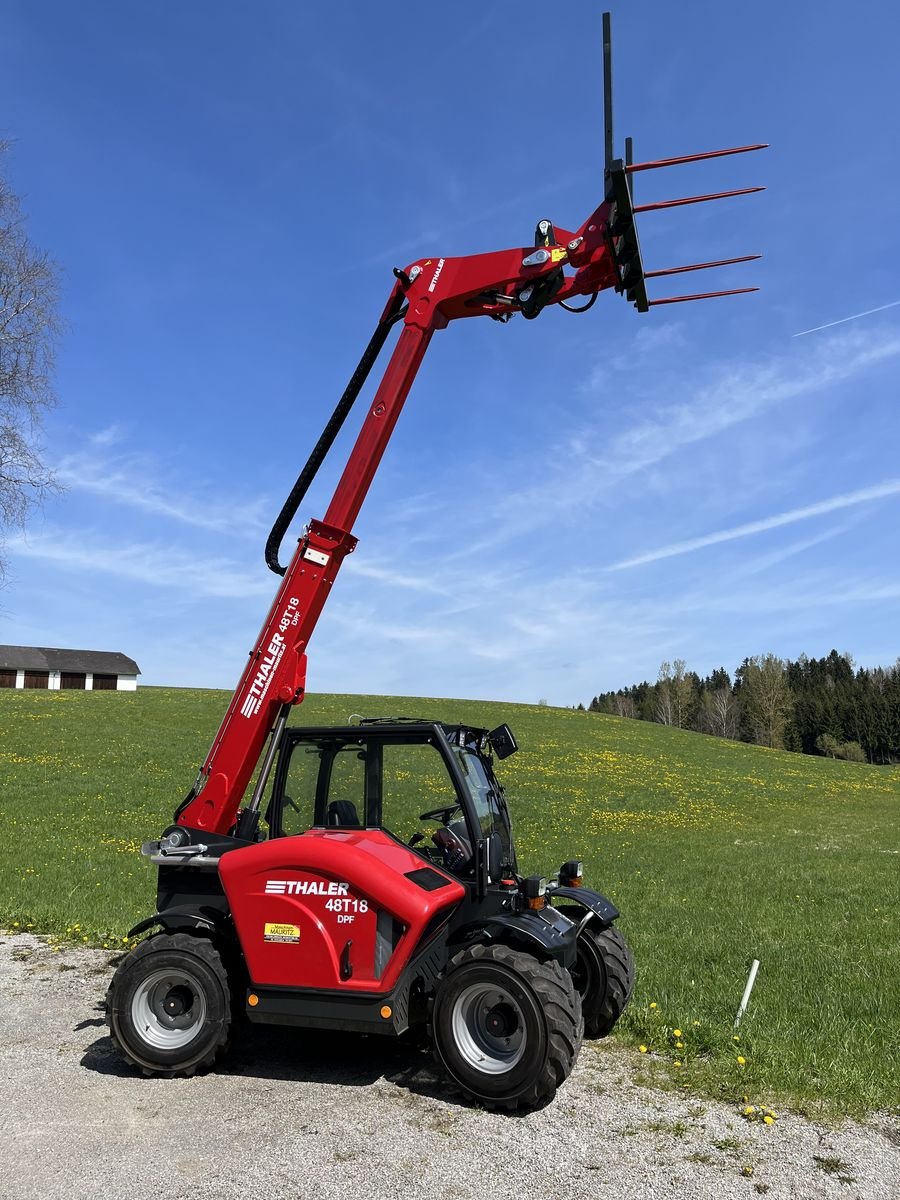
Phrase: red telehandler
x=336 y=912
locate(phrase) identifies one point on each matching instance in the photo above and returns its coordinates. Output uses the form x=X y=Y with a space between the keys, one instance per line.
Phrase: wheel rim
x=488 y=1028
x=583 y=970
x=168 y=1009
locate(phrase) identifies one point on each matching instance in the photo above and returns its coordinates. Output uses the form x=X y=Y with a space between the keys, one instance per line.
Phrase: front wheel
x=604 y=977
x=169 y=1005
x=506 y=1027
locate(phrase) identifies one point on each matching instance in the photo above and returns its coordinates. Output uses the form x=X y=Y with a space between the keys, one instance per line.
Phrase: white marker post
x=745 y=999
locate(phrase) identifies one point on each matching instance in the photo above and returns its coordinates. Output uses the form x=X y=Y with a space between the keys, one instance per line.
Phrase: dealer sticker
x=276 y=932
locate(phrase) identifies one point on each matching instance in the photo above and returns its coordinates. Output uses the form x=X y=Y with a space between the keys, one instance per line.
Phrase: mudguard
x=604 y=910
x=183 y=916
x=543 y=932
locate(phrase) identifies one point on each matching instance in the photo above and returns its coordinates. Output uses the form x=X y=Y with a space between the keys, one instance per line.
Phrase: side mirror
x=502 y=741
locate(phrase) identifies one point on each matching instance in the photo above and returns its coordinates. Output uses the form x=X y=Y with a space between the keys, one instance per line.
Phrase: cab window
x=346 y=796
x=414 y=779
x=298 y=801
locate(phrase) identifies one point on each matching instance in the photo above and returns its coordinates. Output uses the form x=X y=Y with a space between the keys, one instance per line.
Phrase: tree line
x=814 y=705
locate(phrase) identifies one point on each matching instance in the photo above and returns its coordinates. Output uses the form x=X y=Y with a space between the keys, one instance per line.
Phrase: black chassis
x=190 y=898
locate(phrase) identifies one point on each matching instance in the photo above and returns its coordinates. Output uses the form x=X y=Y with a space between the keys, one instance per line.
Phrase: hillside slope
x=715 y=852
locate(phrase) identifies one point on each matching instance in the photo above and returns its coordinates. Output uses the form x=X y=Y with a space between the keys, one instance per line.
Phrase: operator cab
x=429 y=785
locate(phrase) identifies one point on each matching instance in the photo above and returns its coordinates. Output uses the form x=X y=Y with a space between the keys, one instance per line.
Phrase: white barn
x=86 y=670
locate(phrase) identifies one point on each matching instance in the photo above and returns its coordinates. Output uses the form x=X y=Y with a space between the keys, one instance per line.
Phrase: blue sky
x=566 y=502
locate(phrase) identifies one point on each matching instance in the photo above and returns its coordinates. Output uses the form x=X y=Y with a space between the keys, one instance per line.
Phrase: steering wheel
x=442 y=813
x=456 y=852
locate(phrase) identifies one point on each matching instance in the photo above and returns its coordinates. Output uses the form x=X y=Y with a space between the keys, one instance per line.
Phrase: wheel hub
x=168 y=1009
x=488 y=1028
x=178 y=1001
x=500 y=1021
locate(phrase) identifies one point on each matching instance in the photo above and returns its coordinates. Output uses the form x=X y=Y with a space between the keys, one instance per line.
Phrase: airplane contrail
x=890 y=487
x=855 y=317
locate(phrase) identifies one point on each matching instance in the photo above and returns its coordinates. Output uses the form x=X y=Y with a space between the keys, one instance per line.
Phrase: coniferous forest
x=814 y=705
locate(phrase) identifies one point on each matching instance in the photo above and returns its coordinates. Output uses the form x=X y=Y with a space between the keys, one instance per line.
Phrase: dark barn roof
x=45 y=658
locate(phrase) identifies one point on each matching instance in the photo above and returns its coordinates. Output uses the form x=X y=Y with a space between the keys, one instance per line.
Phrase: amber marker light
x=571 y=874
x=253 y=999
x=386 y=1011
x=535 y=889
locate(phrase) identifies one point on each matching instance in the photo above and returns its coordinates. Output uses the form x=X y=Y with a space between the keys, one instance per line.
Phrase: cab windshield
x=487 y=800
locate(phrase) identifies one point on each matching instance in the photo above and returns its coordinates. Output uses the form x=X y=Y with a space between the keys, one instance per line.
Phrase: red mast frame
x=602 y=253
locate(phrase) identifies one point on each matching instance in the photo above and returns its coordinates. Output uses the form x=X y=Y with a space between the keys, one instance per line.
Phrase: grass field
x=716 y=852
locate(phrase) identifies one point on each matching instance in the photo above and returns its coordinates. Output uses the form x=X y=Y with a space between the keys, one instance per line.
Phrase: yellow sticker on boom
x=557 y=253
x=276 y=932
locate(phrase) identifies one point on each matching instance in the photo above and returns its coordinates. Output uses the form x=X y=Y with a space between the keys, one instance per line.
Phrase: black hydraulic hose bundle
x=289 y=509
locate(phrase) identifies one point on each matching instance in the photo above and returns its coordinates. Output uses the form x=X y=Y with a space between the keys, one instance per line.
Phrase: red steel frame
x=441 y=290
x=602 y=253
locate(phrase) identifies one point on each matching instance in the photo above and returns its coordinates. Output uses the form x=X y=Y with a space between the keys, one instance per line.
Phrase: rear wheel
x=169 y=1005
x=507 y=1028
x=603 y=975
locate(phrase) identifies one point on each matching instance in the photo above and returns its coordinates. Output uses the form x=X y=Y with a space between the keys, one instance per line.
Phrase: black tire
x=169 y=1006
x=506 y=1027
x=603 y=975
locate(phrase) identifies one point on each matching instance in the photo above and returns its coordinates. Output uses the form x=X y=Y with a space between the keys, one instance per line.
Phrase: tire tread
x=198 y=946
x=561 y=1006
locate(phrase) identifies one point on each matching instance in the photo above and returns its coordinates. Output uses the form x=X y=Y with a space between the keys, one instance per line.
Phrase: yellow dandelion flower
x=736 y=1038
x=741 y=1060
x=767 y=1120
x=676 y=1063
x=676 y=1032
x=643 y=1049
x=653 y=1004
x=679 y=1045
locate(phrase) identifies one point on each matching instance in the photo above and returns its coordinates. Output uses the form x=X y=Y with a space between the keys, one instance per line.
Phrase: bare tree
x=29 y=329
x=721 y=714
x=727 y=712
x=664 y=706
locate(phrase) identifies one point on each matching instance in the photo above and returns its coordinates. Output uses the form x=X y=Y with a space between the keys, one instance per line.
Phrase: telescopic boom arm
x=562 y=266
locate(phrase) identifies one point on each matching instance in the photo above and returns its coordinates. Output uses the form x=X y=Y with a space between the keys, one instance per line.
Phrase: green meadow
x=716 y=853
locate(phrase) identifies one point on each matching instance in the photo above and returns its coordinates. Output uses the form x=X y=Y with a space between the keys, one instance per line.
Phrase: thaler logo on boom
x=263 y=678
x=436 y=275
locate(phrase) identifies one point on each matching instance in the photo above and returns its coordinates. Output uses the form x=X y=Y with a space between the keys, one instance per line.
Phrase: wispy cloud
x=582 y=470
x=764 y=562
x=738 y=394
x=843 y=320
x=392 y=578
x=147 y=563
x=107 y=437
x=133 y=481
x=881 y=491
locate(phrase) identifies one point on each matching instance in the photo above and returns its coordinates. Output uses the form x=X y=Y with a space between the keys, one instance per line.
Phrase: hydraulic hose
x=289 y=509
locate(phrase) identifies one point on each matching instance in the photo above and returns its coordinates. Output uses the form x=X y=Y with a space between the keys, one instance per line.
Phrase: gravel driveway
x=296 y=1114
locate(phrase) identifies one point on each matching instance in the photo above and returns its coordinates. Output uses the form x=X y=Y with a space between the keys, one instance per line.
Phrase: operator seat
x=343 y=814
